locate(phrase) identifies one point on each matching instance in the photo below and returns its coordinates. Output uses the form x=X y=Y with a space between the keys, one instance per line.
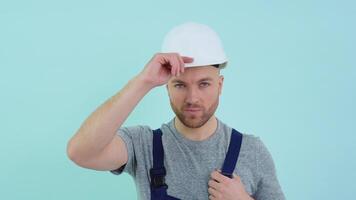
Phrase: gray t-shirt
x=189 y=163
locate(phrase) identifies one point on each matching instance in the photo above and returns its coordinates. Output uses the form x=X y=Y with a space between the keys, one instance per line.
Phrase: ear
x=167 y=87
x=221 y=81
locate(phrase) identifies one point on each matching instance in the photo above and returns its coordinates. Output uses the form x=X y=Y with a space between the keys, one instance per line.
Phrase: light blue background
x=290 y=81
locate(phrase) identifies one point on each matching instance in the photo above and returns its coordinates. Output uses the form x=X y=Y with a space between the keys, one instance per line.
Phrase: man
x=193 y=156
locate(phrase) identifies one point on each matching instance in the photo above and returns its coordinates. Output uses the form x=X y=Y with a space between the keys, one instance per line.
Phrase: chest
x=188 y=170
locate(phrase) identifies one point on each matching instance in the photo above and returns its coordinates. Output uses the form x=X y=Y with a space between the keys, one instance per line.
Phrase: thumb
x=236 y=177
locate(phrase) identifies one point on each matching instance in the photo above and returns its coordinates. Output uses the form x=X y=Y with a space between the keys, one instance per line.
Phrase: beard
x=196 y=120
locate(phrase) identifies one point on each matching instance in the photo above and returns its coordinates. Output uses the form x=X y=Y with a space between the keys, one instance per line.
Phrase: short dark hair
x=216 y=65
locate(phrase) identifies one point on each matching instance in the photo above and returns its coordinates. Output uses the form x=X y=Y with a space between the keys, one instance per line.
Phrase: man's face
x=194 y=95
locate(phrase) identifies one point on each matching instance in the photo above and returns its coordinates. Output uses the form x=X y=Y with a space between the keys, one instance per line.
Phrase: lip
x=192 y=110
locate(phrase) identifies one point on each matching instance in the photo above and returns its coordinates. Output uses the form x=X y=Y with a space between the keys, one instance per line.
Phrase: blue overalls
x=158 y=171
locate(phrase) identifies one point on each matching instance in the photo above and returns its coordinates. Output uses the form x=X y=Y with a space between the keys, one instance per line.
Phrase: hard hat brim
x=222 y=65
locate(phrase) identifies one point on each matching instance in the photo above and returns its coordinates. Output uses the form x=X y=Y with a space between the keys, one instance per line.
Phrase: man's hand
x=162 y=67
x=225 y=188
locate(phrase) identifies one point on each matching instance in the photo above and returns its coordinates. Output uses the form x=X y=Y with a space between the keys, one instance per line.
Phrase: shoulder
x=264 y=160
x=254 y=142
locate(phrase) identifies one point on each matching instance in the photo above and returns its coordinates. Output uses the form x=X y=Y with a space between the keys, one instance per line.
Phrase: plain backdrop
x=290 y=81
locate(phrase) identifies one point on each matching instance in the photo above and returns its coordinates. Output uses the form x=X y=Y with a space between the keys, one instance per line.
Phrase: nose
x=192 y=96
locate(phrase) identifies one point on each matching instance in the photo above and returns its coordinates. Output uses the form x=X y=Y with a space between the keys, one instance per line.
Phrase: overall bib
x=158 y=171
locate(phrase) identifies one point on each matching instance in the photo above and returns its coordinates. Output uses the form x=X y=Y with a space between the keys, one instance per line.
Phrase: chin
x=193 y=123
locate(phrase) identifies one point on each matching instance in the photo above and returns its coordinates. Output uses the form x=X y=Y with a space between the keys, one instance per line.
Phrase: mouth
x=192 y=110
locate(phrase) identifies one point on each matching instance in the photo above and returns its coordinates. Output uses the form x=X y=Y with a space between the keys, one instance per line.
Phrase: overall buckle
x=158 y=177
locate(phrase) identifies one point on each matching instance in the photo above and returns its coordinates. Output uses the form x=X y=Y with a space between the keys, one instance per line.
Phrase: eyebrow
x=200 y=80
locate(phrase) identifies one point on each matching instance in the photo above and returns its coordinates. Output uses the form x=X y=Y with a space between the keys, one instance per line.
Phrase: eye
x=179 y=85
x=204 y=84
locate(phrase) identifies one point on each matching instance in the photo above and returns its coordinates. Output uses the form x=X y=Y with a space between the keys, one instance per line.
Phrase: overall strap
x=158 y=171
x=232 y=153
x=158 y=153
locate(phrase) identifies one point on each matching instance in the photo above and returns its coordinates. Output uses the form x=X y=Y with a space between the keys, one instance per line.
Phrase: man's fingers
x=187 y=59
x=236 y=177
x=213 y=184
x=174 y=64
x=219 y=177
x=214 y=193
x=179 y=65
x=180 y=60
x=182 y=64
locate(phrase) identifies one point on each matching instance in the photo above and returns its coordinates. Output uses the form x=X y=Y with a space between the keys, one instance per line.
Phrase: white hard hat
x=198 y=41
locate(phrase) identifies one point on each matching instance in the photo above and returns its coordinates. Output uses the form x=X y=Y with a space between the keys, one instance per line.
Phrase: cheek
x=211 y=96
x=176 y=97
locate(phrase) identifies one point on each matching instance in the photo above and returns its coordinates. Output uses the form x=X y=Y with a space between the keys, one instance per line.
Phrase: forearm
x=101 y=126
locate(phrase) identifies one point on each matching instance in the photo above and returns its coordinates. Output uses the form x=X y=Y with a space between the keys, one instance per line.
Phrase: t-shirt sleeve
x=268 y=186
x=130 y=136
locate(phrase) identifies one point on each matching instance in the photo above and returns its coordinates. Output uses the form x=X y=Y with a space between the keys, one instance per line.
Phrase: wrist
x=144 y=82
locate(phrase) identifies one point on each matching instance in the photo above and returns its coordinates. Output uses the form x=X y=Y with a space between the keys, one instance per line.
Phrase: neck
x=197 y=134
